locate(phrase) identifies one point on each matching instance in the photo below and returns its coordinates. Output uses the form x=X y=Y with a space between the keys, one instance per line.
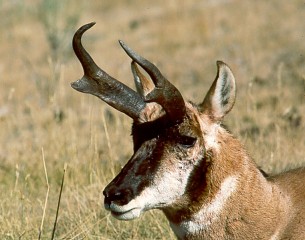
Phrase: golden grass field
x=43 y=120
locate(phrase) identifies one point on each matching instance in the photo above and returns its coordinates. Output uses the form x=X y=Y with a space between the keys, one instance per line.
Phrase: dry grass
x=262 y=41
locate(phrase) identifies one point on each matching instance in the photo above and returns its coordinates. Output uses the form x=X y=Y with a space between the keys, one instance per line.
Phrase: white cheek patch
x=170 y=185
x=166 y=189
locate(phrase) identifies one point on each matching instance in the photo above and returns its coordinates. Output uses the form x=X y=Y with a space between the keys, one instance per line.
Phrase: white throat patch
x=209 y=212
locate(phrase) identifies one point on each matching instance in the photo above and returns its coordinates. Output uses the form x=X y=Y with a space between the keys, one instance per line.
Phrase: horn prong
x=164 y=93
x=99 y=83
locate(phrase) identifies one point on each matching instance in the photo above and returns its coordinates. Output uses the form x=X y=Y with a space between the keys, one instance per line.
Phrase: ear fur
x=221 y=95
x=143 y=85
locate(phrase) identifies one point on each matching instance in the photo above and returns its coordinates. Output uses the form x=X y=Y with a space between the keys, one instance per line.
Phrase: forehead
x=192 y=121
x=191 y=125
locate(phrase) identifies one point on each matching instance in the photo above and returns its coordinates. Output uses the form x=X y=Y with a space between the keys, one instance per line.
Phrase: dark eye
x=187 y=141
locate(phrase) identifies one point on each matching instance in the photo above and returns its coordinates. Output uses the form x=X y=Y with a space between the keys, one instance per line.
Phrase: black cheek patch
x=149 y=162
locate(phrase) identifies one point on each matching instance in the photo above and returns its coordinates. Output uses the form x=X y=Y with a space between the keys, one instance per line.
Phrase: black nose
x=116 y=195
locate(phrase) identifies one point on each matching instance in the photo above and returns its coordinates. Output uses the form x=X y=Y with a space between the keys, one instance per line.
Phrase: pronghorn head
x=174 y=140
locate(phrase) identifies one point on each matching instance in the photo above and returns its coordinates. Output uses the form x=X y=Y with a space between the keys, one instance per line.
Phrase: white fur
x=275 y=236
x=168 y=187
x=210 y=212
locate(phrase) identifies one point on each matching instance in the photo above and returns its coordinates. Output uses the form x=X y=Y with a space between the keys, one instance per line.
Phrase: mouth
x=127 y=215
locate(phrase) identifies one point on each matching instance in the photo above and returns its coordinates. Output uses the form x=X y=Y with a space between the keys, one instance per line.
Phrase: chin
x=128 y=215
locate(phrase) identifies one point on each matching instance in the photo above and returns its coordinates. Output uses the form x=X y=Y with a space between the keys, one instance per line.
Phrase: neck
x=234 y=201
x=202 y=220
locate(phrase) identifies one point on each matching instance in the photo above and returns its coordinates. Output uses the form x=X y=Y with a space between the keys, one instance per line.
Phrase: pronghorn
x=186 y=164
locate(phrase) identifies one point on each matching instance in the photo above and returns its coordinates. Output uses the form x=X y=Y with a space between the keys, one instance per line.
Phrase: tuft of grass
x=59 y=19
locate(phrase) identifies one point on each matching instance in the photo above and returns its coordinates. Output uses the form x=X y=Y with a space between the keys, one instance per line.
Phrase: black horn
x=164 y=93
x=97 y=82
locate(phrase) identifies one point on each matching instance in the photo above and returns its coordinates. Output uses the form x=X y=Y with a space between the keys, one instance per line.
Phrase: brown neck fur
x=256 y=208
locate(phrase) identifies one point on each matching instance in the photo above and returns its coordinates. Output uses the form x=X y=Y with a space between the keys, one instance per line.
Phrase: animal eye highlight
x=187 y=141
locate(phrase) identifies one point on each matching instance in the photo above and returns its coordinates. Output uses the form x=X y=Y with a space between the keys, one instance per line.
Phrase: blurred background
x=44 y=121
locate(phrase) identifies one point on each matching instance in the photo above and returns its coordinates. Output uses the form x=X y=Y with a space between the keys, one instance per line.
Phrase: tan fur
x=227 y=197
x=225 y=194
x=152 y=112
x=260 y=208
x=187 y=165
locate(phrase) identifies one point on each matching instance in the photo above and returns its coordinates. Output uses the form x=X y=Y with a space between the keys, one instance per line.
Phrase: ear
x=152 y=111
x=143 y=85
x=221 y=96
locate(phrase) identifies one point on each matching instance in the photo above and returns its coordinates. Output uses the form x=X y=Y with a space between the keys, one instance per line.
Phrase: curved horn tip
x=83 y=29
x=220 y=63
x=86 y=27
x=77 y=36
x=76 y=41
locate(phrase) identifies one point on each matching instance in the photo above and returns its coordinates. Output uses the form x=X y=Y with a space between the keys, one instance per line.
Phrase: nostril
x=119 y=196
x=114 y=195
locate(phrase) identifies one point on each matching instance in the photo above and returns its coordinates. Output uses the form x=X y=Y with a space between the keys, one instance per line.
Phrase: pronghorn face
x=173 y=139
x=158 y=174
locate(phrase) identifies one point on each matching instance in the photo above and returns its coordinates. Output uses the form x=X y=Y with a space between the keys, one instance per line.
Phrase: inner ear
x=143 y=84
x=221 y=95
